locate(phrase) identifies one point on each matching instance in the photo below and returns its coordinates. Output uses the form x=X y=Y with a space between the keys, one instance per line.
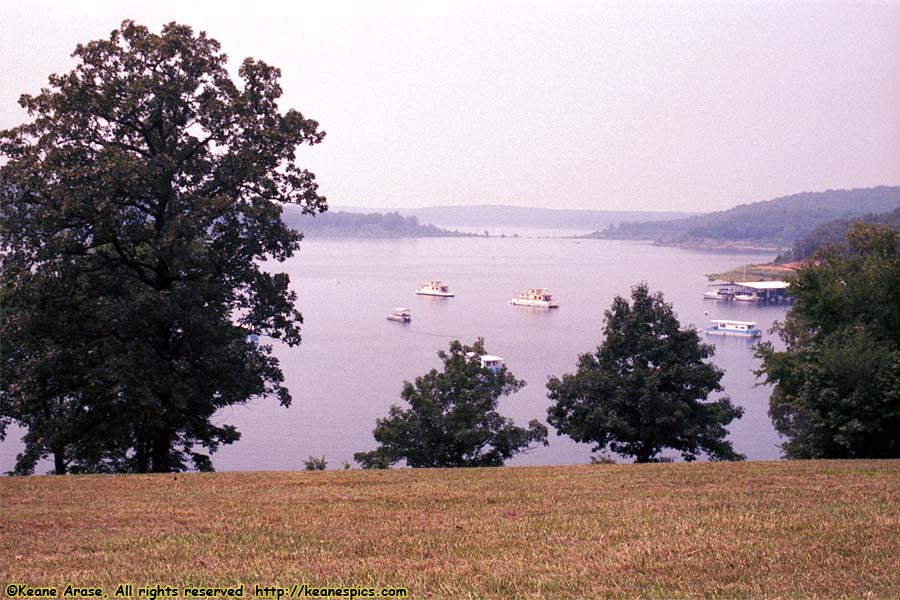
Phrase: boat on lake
x=537 y=297
x=434 y=288
x=748 y=291
x=400 y=314
x=488 y=361
x=747 y=297
x=746 y=329
x=718 y=294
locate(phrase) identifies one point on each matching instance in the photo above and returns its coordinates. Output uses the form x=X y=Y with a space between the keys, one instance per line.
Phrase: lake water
x=352 y=363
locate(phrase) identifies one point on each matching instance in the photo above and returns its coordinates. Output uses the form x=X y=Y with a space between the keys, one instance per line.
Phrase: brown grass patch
x=746 y=530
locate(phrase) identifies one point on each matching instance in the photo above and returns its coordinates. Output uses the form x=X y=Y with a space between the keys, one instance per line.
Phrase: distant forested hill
x=377 y=225
x=481 y=216
x=775 y=223
x=834 y=233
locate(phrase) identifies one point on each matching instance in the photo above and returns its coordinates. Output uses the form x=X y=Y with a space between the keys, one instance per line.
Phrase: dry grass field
x=744 y=530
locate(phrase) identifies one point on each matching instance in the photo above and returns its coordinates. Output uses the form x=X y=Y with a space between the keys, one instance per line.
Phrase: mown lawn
x=818 y=529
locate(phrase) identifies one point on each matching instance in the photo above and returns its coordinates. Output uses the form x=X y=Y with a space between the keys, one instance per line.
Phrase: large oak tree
x=138 y=203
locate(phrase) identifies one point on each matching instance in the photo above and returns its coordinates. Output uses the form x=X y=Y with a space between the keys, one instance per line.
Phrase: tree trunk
x=643 y=455
x=59 y=461
x=160 y=454
x=141 y=456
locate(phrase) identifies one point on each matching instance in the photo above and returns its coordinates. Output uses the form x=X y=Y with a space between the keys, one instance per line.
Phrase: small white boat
x=538 y=297
x=400 y=314
x=735 y=328
x=747 y=297
x=718 y=295
x=488 y=361
x=434 y=288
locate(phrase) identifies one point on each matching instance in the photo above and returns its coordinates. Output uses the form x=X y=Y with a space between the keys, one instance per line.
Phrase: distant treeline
x=376 y=225
x=774 y=223
x=531 y=217
x=834 y=233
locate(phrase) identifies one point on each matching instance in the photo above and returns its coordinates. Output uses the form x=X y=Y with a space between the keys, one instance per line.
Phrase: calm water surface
x=352 y=363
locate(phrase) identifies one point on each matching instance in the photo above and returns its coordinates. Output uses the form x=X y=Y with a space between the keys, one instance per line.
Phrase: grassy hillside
x=775 y=223
x=744 y=530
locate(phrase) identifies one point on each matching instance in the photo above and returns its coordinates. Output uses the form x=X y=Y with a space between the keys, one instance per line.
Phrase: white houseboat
x=488 y=361
x=748 y=297
x=718 y=294
x=538 y=297
x=400 y=314
x=434 y=288
x=735 y=328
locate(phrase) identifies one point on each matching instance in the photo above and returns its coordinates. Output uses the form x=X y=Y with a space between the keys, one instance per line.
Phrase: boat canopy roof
x=753 y=285
x=485 y=358
x=730 y=322
x=765 y=285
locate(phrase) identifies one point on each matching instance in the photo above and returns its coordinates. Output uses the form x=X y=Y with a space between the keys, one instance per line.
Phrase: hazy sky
x=603 y=105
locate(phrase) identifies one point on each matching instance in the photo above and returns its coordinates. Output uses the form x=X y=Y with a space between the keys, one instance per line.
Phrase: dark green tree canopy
x=137 y=206
x=837 y=382
x=452 y=419
x=644 y=390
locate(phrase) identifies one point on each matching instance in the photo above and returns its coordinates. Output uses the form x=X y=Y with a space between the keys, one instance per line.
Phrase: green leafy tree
x=137 y=206
x=452 y=419
x=837 y=381
x=644 y=390
x=48 y=354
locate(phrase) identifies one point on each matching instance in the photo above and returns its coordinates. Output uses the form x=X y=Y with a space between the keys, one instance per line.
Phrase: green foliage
x=137 y=205
x=837 y=383
x=452 y=420
x=315 y=464
x=644 y=389
x=834 y=233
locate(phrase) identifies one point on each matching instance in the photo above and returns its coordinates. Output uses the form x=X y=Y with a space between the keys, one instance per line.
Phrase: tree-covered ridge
x=834 y=233
x=831 y=234
x=774 y=223
x=532 y=217
x=374 y=225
